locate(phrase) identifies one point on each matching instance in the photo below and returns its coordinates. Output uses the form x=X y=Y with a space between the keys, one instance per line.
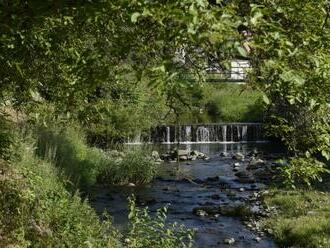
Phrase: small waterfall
x=203 y=134
x=224 y=133
x=244 y=133
x=168 y=135
x=238 y=128
x=188 y=133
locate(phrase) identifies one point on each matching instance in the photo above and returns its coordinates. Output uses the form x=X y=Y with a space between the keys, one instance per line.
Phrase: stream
x=191 y=185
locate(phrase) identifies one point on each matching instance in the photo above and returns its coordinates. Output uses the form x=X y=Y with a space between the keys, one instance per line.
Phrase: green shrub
x=7 y=138
x=36 y=210
x=81 y=164
x=303 y=171
x=153 y=232
x=134 y=166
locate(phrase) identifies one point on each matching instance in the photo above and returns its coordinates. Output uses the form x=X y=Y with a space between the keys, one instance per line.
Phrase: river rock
x=206 y=158
x=183 y=158
x=229 y=241
x=181 y=152
x=237 y=164
x=199 y=155
x=257 y=239
x=245 y=177
x=200 y=213
x=209 y=210
x=155 y=155
x=238 y=156
x=255 y=164
x=224 y=154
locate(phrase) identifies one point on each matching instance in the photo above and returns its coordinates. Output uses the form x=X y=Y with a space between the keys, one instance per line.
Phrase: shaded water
x=182 y=196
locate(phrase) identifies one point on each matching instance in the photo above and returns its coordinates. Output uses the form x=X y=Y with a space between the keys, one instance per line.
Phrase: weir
x=201 y=133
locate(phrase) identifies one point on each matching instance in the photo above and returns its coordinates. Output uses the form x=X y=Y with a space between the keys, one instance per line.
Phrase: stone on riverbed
x=245 y=177
x=229 y=241
x=239 y=210
x=183 y=155
x=255 y=164
x=238 y=156
x=224 y=154
x=155 y=155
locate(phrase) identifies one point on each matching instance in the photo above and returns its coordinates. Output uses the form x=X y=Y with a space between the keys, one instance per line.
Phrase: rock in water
x=155 y=155
x=224 y=154
x=257 y=239
x=229 y=241
x=181 y=152
x=244 y=177
x=238 y=156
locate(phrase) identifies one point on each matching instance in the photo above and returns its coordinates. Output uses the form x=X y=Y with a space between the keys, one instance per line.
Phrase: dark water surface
x=182 y=196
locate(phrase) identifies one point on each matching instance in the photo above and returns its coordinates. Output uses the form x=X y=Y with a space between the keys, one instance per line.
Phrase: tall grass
x=134 y=166
x=303 y=218
x=153 y=231
x=36 y=210
x=232 y=103
x=69 y=151
x=85 y=165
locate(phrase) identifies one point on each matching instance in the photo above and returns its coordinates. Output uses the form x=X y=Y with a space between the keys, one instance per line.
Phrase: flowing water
x=197 y=133
x=170 y=188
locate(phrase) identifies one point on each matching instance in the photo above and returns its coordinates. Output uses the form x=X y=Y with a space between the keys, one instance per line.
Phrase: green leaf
x=135 y=16
x=242 y=51
x=266 y=99
x=326 y=154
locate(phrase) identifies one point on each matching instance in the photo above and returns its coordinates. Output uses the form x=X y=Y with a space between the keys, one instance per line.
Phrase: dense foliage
x=117 y=67
x=36 y=209
x=291 y=60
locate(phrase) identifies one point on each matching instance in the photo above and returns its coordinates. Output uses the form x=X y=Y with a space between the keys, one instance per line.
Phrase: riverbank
x=302 y=217
x=41 y=204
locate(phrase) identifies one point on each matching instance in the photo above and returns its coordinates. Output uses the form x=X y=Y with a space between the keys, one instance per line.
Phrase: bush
x=132 y=167
x=153 y=232
x=36 y=210
x=68 y=150
x=7 y=138
x=303 y=171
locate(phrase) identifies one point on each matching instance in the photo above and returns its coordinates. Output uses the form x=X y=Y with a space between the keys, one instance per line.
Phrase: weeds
x=132 y=167
x=302 y=219
x=69 y=151
x=146 y=231
x=37 y=210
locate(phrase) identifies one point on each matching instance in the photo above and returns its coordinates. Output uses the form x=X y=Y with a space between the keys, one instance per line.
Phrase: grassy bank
x=40 y=204
x=302 y=219
x=232 y=103
x=37 y=210
x=85 y=165
x=226 y=102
